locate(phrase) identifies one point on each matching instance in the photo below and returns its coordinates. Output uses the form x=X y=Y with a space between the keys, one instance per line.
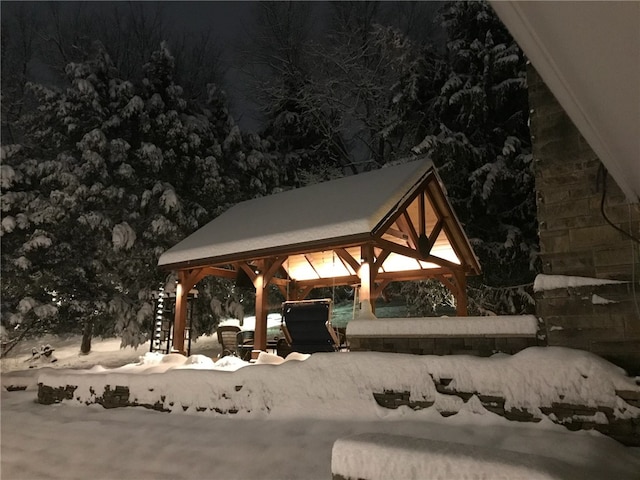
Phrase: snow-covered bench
x=480 y=336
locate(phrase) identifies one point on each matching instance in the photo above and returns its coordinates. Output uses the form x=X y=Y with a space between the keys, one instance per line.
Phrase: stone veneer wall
x=576 y=240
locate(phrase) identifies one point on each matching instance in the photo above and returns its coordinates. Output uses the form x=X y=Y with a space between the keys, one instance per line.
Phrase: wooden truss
x=420 y=238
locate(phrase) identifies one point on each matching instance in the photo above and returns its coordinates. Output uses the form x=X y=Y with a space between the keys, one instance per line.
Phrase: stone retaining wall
x=573 y=417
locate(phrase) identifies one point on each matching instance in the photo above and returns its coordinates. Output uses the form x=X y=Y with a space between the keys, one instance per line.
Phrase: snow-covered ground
x=68 y=441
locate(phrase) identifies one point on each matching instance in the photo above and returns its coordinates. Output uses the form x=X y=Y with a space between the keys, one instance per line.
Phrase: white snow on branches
x=7 y=151
x=7 y=176
x=27 y=304
x=84 y=86
x=22 y=221
x=23 y=263
x=155 y=102
x=8 y=224
x=45 y=310
x=125 y=170
x=161 y=225
x=146 y=196
x=151 y=155
x=94 y=140
x=233 y=139
x=93 y=220
x=123 y=236
x=134 y=106
x=38 y=240
x=169 y=200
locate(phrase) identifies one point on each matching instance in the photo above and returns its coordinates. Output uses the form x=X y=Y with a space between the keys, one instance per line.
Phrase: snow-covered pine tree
x=112 y=173
x=52 y=203
x=482 y=147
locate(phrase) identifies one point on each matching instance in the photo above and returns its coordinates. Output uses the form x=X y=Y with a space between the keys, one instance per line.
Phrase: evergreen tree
x=301 y=128
x=482 y=147
x=111 y=174
x=355 y=100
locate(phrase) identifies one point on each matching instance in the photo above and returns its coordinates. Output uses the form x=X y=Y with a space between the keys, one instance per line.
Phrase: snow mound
x=377 y=456
x=342 y=385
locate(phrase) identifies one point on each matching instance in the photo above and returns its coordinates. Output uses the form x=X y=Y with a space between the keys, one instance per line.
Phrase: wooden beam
x=451 y=286
x=402 y=276
x=408 y=252
x=311 y=265
x=453 y=229
x=380 y=286
x=220 y=272
x=380 y=259
x=397 y=233
x=404 y=222
x=328 y=282
x=433 y=236
x=273 y=268
x=347 y=257
x=191 y=278
x=248 y=270
x=283 y=290
x=280 y=282
x=421 y=214
x=407 y=275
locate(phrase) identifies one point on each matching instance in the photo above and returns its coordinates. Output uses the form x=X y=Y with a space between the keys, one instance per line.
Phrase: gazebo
x=391 y=224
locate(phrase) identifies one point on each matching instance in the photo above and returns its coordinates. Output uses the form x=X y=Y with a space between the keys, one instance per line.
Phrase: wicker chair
x=245 y=339
x=228 y=340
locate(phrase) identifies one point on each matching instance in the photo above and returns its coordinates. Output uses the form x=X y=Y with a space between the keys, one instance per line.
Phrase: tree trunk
x=87 y=331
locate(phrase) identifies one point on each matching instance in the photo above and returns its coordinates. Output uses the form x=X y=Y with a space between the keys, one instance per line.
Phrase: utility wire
x=602 y=175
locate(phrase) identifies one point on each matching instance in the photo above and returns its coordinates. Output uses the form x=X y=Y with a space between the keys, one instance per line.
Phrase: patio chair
x=228 y=340
x=245 y=344
x=307 y=326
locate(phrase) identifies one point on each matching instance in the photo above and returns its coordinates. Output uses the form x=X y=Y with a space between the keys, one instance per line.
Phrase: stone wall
x=625 y=428
x=575 y=238
x=597 y=318
x=572 y=416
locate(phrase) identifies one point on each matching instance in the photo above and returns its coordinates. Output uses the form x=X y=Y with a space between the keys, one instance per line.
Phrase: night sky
x=228 y=23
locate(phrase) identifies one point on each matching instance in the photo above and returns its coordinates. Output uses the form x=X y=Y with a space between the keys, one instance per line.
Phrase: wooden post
x=187 y=279
x=180 y=319
x=260 y=338
x=461 y=297
x=367 y=303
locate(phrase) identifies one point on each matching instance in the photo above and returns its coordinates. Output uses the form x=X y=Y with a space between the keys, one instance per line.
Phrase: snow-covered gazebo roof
x=392 y=224
x=341 y=212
